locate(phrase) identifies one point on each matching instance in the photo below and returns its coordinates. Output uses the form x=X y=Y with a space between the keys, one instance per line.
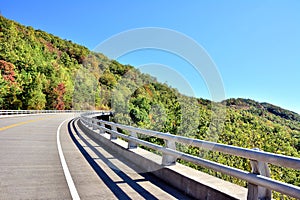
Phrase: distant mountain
x=42 y=71
x=249 y=104
x=281 y=112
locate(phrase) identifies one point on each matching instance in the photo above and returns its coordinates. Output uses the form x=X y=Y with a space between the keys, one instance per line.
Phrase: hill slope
x=263 y=107
x=42 y=71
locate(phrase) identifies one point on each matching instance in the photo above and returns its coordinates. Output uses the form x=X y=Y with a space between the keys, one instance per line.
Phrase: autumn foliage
x=59 y=91
x=40 y=71
x=7 y=71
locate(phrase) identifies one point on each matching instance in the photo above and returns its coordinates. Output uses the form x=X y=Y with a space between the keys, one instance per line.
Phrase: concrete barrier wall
x=192 y=182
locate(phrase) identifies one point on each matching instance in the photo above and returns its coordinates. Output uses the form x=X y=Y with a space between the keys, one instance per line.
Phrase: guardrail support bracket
x=167 y=159
x=101 y=130
x=132 y=145
x=113 y=136
x=256 y=192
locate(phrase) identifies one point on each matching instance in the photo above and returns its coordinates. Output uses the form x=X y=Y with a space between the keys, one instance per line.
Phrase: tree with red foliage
x=60 y=91
x=7 y=71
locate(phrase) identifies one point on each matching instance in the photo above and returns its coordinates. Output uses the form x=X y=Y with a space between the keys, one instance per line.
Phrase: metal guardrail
x=259 y=182
x=23 y=112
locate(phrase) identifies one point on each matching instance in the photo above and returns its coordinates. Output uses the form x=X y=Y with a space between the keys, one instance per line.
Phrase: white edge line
x=68 y=176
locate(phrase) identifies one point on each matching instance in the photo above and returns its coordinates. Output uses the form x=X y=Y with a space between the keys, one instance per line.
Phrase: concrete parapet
x=190 y=181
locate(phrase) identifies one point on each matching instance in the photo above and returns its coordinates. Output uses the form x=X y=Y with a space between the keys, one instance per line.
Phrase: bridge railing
x=23 y=112
x=260 y=184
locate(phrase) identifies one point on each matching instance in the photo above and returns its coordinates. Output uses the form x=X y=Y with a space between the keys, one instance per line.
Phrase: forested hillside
x=42 y=71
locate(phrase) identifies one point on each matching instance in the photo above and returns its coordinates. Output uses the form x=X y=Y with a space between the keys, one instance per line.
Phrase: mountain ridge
x=232 y=102
x=276 y=110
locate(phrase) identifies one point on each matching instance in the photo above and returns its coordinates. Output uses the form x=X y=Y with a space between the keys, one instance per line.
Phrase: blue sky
x=254 y=44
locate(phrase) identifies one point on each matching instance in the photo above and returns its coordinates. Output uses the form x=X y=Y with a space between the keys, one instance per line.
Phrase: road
x=32 y=166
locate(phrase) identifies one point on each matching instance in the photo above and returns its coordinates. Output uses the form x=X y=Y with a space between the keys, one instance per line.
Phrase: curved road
x=31 y=165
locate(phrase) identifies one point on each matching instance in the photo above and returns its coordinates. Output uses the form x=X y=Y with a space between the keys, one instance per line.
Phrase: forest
x=41 y=71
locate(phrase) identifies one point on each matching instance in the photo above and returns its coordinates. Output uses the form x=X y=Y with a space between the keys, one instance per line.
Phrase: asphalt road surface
x=48 y=157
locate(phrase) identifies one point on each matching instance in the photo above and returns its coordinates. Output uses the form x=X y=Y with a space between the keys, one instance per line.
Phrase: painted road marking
x=21 y=123
x=67 y=173
x=17 y=124
x=68 y=176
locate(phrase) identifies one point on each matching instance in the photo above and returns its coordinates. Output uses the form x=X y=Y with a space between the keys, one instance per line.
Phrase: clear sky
x=254 y=44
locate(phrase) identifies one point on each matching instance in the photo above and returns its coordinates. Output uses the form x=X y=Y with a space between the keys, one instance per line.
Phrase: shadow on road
x=113 y=185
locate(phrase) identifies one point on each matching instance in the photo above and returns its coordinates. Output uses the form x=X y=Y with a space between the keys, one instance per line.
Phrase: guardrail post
x=256 y=192
x=166 y=158
x=90 y=122
x=132 y=145
x=94 y=123
x=101 y=129
x=112 y=135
